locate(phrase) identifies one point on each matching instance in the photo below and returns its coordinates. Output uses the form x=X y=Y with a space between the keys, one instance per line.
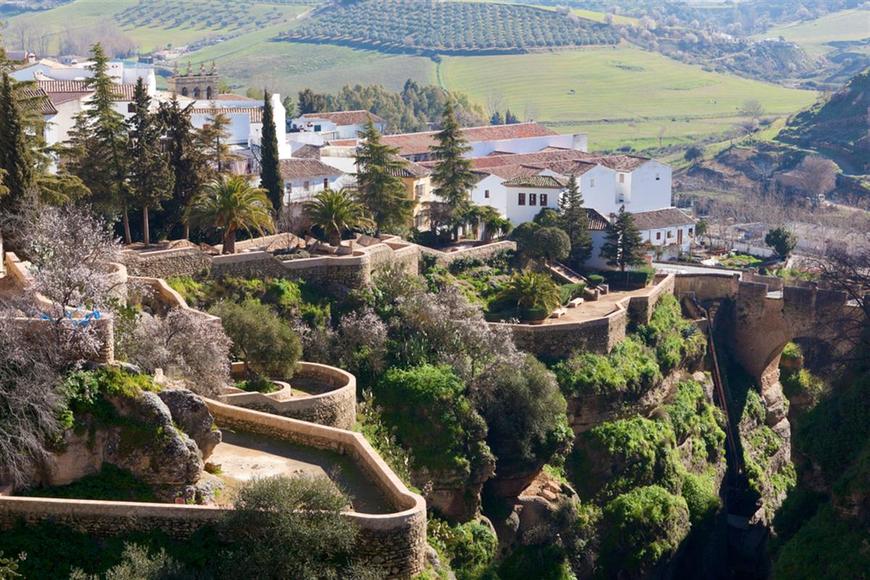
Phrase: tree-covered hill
x=837 y=127
x=449 y=27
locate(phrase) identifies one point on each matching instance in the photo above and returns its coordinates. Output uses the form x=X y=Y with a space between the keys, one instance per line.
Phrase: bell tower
x=201 y=85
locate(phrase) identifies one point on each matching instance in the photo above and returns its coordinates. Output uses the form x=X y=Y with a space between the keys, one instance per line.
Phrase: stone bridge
x=767 y=315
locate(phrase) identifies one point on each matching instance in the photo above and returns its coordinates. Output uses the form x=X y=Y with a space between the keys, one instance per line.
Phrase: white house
x=319 y=128
x=642 y=184
x=598 y=227
x=120 y=72
x=527 y=196
x=304 y=178
x=669 y=231
x=246 y=119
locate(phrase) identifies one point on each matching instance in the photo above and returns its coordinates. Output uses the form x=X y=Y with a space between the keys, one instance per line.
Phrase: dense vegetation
x=449 y=27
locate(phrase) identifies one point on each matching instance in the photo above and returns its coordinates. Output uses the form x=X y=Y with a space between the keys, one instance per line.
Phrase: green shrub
x=470 y=547
x=595 y=279
x=630 y=369
x=264 y=342
x=285 y=295
x=429 y=409
x=546 y=562
x=641 y=527
x=193 y=292
x=110 y=484
x=674 y=338
x=569 y=292
x=258 y=384
x=803 y=383
x=629 y=279
x=700 y=496
x=792 y=356
x=692 y=417
x=85 y=394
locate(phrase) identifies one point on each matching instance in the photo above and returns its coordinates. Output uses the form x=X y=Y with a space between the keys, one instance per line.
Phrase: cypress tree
x=624 y=246
x=151 y=179
x=270 y=174
x=452 y=175
x=16 y=163
x=496 y=119
x=575 y=221
x=381 y=190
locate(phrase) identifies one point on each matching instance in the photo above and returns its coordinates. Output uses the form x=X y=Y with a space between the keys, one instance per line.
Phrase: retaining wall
x=481 y=252
x=334 y=408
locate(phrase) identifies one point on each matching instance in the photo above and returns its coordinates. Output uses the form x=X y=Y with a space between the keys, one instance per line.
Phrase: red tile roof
x=543 y=181
x=597 y=222
x=37 y=99
x=416 y=143
x=668 y=217
x=620 y=162
x=123 y=92
x=359 y=117
x=344 y=142
x=302 y=168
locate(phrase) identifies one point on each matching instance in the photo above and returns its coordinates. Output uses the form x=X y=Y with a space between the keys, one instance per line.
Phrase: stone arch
x=196 y=93
x=209 y=93
x=184 y=91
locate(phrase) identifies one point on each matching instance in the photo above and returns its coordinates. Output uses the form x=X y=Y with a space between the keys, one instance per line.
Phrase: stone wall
x=166 y=263
x=334 y=408
x=640 y=308
x=704 y=287
x=481 y=252
x=562 y=339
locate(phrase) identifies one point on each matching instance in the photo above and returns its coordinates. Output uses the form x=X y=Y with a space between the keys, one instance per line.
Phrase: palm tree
x=531 y=291
x=231 y=203
x=336 y=212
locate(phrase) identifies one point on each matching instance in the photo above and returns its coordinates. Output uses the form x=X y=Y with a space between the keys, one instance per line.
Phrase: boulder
x=191 y=414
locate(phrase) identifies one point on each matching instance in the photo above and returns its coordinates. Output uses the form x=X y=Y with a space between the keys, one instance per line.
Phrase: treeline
x=428 y=25
x=416 y=108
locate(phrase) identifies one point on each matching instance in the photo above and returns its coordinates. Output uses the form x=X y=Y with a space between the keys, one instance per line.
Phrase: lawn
x=814 y=35
x=617 y=95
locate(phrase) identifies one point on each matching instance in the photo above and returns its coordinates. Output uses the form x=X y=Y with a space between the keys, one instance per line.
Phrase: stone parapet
x=480 y=252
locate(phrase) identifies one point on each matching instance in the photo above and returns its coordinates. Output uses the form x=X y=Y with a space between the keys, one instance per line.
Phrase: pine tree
x=496 y=119
x=98 y=144
x=381 y=191
x=624 y=246
x=213 y=138
x=575 y=221
x=189 y=167
x=270 y=174
x=16 y=163
x=151 y=180
x=452 y=175
x=510 y=118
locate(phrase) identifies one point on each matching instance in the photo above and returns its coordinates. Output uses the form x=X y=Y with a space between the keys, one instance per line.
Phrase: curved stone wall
x=334 y=408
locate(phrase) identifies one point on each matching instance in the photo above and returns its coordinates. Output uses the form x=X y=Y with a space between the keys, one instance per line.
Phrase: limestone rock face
x=191 y=414
x=149 y=445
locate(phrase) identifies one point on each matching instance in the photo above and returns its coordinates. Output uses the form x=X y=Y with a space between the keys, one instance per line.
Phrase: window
x=306 y=186
x=691 y=231
x=622 y=178
x=670 y=234
x=658 y=177
x=485 y=194
x=658 y=235
x=543 y=199
x=317 y=128
x=289 y=187
x=131 y=107
x=418 y=191
x=592 y=182
x=521 y=199
x=533 y=199
x=325 y=183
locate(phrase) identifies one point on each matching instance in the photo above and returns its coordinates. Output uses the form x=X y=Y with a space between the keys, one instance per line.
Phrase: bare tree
x=815 y=176
x=850 y=273
x=753 y=108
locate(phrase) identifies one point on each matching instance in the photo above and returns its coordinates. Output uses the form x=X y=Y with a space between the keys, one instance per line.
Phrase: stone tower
x=201 y=85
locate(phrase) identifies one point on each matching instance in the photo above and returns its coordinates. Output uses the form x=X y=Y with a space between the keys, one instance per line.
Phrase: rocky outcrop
x=454 y=496
x=191 y=414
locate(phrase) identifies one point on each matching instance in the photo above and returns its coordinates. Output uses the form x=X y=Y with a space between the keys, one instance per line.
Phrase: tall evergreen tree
x=214 y=143
x=381 y=190
x=98 y=145
x=151 y=180
x=452 y=175
x=270 y=174
x=623 y=246
x=496 y=119
x=575 y=222
x=510 y=118
x=16 y=161
x=188 y=165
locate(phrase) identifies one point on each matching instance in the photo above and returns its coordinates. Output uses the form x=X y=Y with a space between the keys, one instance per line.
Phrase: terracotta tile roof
x=37 y=99
x=58 y=99
x=620 y=162
x=301 y=168
x=411 y=169
x=482 y=163
x=513 y=171
x=233 y=97
x=344 y=143
x=359 y=117
x=123 y=92
x=575 y=167
x=544 y=181
x=416 y=143
x=597 y=222
x=307 y=152
x=255 y=113
x=668 y=217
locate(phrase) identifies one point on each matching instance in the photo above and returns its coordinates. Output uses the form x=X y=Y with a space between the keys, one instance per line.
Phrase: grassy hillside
x=814 y=35
x=617 y=95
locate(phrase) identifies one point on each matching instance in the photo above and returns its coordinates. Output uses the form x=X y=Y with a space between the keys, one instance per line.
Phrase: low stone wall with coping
x=394 y=543
x=334 y=408
x=481 y=252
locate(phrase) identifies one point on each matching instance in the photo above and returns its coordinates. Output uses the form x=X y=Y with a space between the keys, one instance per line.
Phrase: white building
x=642 y=184
x=120 y=72
x=669 y=231
x=319 y=128
x=304 y=178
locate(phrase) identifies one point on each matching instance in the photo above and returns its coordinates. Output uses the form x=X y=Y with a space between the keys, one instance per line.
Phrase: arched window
x=196 y=93
x=184 y=92
x=208 y=93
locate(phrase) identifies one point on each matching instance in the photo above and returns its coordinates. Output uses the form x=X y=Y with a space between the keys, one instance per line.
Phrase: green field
x=813 y=35
x=617 y=95
x=84 y=15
